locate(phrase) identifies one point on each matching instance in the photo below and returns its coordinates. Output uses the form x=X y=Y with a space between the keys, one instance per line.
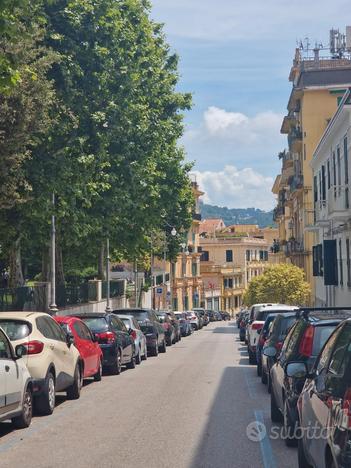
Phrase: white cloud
x=236 y=188
x=237 y=126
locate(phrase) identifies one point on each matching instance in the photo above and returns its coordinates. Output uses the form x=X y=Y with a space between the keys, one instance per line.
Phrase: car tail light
x=106 y=337
x=279 y=345
x=34 y=347
x=256 y=326
x=133 y=334
x=346 y=406
x=306 y=345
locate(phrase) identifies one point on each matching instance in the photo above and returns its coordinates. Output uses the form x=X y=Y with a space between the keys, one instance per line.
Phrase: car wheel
x=163 y=347
x=263 y=376
x=25 y=418
x=144 y=357
x=252 y=359
x=131 y=363
x=276 y=415
x=45 y=403
x=180 y=337
x=289 y=427
x=73 y=391
x=116 y=368
x=138 y=357
x=98 y=375
x=169 y=342
x=259 y=369
x=303 y=463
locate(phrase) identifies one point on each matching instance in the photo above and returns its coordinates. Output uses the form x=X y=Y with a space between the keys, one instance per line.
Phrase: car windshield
x=263 y=314
x=139 y=315
x=284 y=326
x=15 y=329
x=268 y=321
x=126 y=322
x=96 y=324
x=321 y=335
x=147 y=328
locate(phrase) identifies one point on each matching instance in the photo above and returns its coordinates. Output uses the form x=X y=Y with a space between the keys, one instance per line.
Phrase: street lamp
x=53 y=307
x=173 y=233
x=108 y=293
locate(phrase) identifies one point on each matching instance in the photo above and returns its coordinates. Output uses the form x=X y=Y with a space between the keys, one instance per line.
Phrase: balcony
x=296 y=182
x=278 y=212
x=294 y=247
x=197 y=217
x=339 y=202
x=295 y=139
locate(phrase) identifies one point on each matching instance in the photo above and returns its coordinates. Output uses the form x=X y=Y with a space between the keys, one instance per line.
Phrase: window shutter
x=330 y=263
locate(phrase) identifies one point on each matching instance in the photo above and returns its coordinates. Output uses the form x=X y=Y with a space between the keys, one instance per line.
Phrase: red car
x=86 y=343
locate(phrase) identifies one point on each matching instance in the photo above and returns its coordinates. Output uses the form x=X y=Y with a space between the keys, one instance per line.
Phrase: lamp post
x=53 y=307
x=173 y=234
x=108 y=291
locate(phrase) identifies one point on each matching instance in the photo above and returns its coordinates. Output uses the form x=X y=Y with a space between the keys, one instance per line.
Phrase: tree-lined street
x=188 y=408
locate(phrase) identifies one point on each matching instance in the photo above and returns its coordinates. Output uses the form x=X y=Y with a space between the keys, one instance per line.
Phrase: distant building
x=210 y=226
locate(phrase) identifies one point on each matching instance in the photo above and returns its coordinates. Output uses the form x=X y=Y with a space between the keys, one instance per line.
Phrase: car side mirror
x=270 y=351
x=20 y=351
x=69 y=340
x=297 y=370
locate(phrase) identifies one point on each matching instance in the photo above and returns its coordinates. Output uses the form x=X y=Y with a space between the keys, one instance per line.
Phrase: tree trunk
x=16 y=278
x=101 y=262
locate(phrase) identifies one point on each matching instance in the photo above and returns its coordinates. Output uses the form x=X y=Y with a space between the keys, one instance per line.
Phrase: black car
x=211 y=315
x=263 y=334
x=225 y=315
x=325 y=403
x=185 y=326
x=277 y=333
x=302 y=345
x=150 y=326
x=239 y=316
x=116 y=344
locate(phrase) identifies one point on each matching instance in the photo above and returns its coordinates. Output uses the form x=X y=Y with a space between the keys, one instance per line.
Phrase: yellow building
x=318 y=85
x=186 y=283
x=228 y=263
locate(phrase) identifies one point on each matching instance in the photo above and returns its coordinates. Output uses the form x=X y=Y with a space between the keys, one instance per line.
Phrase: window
x=50 y=329
x=116 y=325
x=230 y=283
x=229 y=256
x=328 y=174
x=184 y=267
x=346 y=161
x=341 y=282
x=82 y=331
x=320 y=185
x=315 y=189
x=348 y=262
x=5 y=351
x=341 y=353
x=326 y=353
x=323 y=183
x=338 y=166
x=205 y=257
x=334 y=174
x=248 y=256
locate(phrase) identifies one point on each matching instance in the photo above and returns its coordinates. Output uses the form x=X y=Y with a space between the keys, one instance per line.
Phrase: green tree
x=282 y=283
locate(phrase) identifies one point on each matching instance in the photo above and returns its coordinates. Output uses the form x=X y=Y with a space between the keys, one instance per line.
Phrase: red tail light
x=106 y=337
x=34 y=347
x=306 y=345
x=279 y=345
x=256 y=326
x=133 y=334
x=346 y=406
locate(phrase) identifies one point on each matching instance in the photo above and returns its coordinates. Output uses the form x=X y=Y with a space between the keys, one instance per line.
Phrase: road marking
x=266 y=447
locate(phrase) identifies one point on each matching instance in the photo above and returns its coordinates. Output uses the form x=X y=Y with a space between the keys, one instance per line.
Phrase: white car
x=53 y=361
x=15 y=385
x=193 y=319
x=258 y=315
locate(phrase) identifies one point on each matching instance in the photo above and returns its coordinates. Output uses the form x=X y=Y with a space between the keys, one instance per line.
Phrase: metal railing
x=33 y=298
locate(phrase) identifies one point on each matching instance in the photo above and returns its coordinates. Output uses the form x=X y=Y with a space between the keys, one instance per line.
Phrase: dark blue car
x=116 y=344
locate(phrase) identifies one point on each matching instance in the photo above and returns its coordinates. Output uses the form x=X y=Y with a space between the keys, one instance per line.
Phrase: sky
x=235 y=58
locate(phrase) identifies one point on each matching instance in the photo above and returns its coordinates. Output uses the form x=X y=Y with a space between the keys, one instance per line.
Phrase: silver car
x=139 y=338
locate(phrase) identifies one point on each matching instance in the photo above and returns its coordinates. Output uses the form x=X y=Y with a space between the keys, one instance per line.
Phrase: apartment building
x=318 y=85
x=332 y=213
x=228 y=263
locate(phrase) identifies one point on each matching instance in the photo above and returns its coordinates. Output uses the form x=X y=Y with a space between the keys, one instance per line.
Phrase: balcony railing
x=294 y=246
x=278 y=212
x=296 y=182
x=294 y=136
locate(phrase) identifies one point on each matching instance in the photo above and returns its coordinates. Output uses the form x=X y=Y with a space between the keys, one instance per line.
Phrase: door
x=86 y=348
x=11 y=388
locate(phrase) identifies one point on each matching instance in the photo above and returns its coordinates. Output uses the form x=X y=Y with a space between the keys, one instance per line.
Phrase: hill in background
x=238 y=215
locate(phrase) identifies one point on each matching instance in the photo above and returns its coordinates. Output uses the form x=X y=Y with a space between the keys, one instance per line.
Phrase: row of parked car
x=41 y=355
x=303 y=355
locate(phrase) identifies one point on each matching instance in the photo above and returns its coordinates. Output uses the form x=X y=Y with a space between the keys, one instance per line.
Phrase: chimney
x=316 y=56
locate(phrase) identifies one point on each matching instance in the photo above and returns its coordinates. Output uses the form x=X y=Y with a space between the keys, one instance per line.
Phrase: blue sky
x=235 y=58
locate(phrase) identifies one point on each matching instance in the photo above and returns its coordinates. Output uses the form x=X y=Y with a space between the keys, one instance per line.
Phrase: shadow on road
x=224 y=442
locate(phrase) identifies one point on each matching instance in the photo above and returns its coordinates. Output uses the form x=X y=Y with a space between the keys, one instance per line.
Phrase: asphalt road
x=187 y=408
